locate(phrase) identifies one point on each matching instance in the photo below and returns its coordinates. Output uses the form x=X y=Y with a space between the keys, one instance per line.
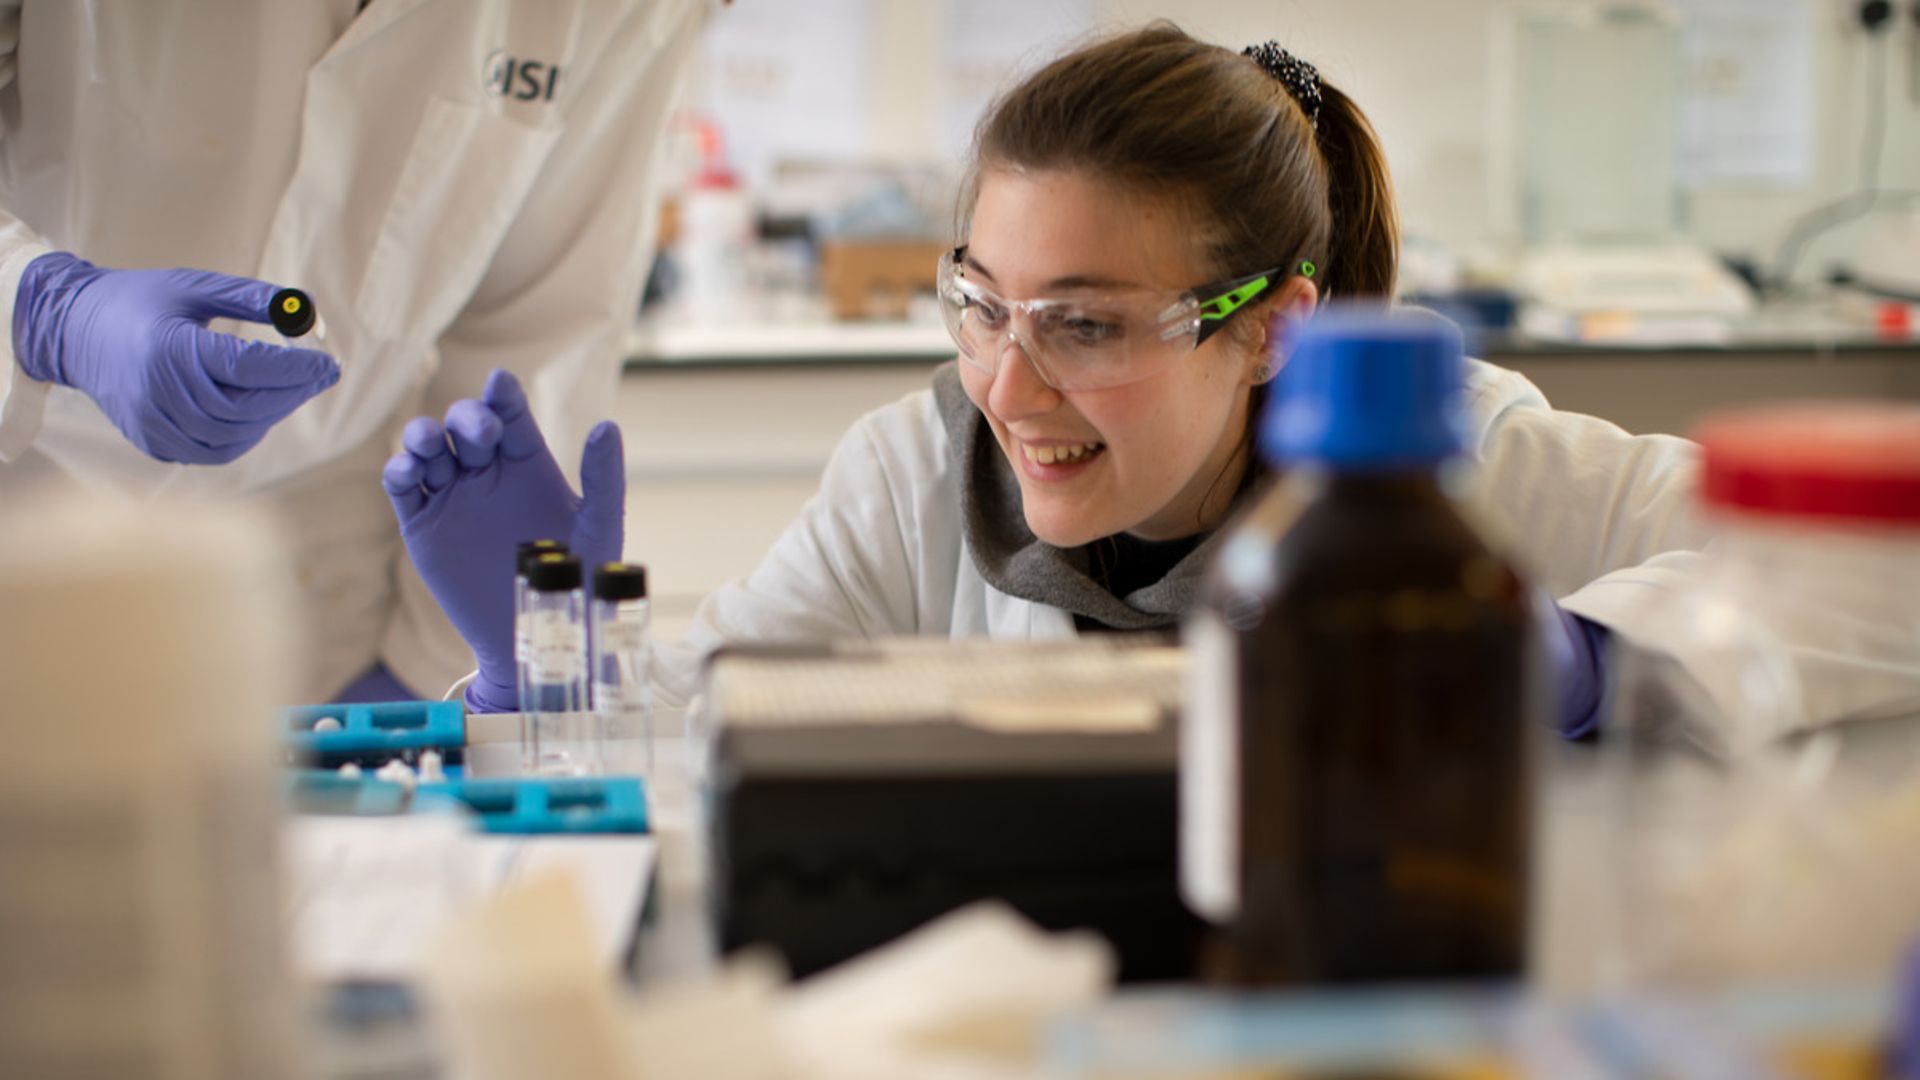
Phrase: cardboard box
x=875 y=278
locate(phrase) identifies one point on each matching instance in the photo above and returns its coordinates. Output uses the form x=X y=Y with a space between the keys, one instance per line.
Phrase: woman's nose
x=1018 y=390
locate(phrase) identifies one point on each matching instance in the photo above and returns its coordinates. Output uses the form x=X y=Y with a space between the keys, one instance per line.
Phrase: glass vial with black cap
x=562 y=743
x=294 y=315
x=523 y=557
x=1354 y=767
x=619 y=622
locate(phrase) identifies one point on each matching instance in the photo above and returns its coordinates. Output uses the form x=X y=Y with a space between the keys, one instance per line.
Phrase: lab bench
x=375 y=1029
x=728 y=427
x=1177 y=1028
x=677 y=940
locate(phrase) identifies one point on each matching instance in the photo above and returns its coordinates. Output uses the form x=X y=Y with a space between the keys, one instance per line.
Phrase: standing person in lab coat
x=1139 y=213
x=461 y=185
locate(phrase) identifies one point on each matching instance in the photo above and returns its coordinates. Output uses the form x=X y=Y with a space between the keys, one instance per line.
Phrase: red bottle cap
x=1894 y=319
x=1851 y=460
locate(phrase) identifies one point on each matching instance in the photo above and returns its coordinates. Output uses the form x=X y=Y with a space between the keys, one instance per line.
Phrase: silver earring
x=1263 y=373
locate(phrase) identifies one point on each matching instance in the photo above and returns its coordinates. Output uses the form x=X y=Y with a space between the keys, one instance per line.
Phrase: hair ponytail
x=1163 y=113
x=1363 y=250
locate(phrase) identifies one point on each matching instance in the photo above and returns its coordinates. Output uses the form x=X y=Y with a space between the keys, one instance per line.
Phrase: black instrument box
x=863 y=790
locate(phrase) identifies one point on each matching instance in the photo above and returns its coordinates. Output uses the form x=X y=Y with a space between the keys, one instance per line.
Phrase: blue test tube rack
x=520 y=806
x=539 y=805
x=322 y=791
x=372 y=735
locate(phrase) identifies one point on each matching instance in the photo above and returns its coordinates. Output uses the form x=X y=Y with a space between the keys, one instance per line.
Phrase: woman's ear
x=1285 y=314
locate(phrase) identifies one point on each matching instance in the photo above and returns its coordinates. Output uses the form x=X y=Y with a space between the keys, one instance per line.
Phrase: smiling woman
x=1171 y=429
x=1144 y=219
x=1121 y=175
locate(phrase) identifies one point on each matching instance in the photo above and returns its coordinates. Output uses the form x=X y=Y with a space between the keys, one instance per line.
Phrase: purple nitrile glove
x=1577 y=654
x=137 y=343
x=1903 y=1058
x=467 y=494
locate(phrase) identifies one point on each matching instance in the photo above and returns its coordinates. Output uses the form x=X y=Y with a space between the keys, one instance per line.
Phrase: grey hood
x=1016 y=562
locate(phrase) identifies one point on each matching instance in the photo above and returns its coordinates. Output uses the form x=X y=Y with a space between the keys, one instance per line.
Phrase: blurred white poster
x=985 y=45
x=1747 y=116
x=791 y=81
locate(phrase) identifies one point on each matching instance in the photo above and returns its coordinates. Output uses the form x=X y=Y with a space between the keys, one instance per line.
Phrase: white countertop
x=796 y=331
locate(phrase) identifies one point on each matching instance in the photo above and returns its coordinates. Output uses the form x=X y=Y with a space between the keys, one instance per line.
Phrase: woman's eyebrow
x=1089 y=281
x=1071 y=281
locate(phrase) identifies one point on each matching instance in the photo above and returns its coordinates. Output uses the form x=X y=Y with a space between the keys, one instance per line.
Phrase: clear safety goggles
x=1095 y=339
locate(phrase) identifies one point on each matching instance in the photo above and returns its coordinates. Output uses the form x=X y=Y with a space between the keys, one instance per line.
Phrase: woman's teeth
x=1049 y=455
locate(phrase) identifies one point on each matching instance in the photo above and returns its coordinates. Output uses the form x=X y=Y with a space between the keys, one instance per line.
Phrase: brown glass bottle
x=1355 y=779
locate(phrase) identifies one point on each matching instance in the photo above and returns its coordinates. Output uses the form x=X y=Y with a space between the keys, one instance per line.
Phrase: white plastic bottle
x=716 y=233
x=1763 y=746
x=142 y=927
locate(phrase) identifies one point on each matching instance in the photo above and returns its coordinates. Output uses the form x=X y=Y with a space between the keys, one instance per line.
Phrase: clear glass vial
x=561 y=728
x=620 y=623
x=523 y=631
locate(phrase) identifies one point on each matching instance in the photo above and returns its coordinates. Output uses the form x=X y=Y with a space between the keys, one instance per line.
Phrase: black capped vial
x=557 y=668
x=292 y=313
x=523 y=557
x=618 y=624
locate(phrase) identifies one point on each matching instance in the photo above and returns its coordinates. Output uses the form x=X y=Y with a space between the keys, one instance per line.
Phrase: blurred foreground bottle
x=1355 y=797
x=1806 y=607
x=1764 y=746
x=143 y=653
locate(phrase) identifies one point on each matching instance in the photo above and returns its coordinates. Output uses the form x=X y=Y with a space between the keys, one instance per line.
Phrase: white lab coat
x=1603 y=520
x=446 y=221
x=880 y=549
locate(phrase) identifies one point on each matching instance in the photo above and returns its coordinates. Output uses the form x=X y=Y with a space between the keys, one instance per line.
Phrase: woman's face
x=1164 y=445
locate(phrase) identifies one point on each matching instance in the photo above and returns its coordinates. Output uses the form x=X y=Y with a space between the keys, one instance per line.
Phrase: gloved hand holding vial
x=137 y=343
x=293 y=314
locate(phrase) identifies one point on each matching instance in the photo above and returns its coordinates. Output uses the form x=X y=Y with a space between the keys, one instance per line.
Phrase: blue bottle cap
x=1365 y=388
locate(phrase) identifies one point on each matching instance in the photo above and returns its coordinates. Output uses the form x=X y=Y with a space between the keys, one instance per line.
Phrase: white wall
x=721 y=459
x=1423 y=70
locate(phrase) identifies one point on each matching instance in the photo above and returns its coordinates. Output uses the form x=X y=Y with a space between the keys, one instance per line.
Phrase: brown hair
x=1162 y=113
